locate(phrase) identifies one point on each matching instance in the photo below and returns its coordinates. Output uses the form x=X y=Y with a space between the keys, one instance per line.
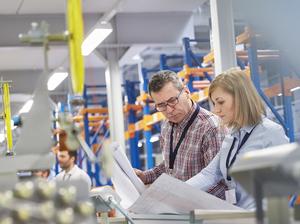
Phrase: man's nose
x=169 y=108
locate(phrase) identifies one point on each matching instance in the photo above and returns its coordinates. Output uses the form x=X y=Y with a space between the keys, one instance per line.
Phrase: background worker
x=70 y=171
x=67 y=161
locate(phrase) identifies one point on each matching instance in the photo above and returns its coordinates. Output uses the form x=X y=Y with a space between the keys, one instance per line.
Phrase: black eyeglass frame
x=171 y=102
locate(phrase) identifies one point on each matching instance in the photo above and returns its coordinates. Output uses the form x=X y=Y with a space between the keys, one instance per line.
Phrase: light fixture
x=95 y=37
x=154 y=138
x=56 y=79
x=2 y=137
x=27 y=106
x=137 y=57
x=296 y=88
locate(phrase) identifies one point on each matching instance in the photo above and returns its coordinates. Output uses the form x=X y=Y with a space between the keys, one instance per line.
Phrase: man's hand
x=140 y=174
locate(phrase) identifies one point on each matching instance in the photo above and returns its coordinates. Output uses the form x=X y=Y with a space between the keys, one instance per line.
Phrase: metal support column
x=147 y=130
x=54 y=114
x=223 y=35
x=114 y=93
x=287 y=103
x=187 y=60
x=133 y=138
x=189 y=57
x=288 y=116
x=87 y=134
x=164 y=65
x=253 y=62
x=163 y=62
x=240 y=63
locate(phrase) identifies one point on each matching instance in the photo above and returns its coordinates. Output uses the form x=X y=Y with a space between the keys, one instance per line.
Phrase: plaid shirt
x=200 y=145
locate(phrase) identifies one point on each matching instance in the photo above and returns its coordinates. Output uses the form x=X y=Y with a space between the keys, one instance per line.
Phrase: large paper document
x=170 y=195
x=123 y=162
x=127 y=184
x=165 y=195
x=124 y=187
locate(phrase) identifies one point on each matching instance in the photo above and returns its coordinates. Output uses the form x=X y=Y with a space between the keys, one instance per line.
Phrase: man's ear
x=187 y=91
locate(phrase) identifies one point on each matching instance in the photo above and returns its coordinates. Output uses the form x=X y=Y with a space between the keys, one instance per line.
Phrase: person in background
x=70 y=171
x=190 y=136
x=241 y=109
x=41 y=173
x=67 y=162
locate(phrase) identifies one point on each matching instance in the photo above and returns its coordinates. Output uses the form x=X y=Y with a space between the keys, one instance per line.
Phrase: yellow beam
x=289 y=83
x=75 y=28
x=79 y=118
x=209 y=58
x=187 y=71
x=98 y=110
x=144 y=124
x=143 y=97
x=245 y=37
x=91 y=124
x=134 y=107
x=7 y=116
x=200 y=96
x=156 y=117
x=261 y=57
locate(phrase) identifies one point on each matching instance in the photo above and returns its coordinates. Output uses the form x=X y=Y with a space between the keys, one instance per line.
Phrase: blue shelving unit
x=92 y=137
x=133 y=138
x=287 y=120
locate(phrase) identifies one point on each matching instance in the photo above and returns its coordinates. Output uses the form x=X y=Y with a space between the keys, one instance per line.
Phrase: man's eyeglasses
x=170 y=102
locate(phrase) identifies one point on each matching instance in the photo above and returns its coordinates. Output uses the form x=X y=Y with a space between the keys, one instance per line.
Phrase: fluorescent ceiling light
x=154 y=138
x=239 y=47
x=56 y=79
x=27 y=106
x=95 y=37
x=137 y=57
x=2 y=137
x=296 y=88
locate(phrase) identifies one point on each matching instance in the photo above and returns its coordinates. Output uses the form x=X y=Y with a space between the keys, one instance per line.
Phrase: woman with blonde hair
x=241 y=109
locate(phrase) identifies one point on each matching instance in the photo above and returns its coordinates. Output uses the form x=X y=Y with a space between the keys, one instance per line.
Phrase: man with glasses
x=190 y=136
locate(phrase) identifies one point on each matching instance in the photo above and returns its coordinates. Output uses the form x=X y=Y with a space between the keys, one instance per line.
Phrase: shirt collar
x=71 y=172
x=247 y=128
x=187 y=117
x=235 y=132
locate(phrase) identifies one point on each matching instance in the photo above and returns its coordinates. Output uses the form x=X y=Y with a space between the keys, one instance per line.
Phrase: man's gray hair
x=161 y=78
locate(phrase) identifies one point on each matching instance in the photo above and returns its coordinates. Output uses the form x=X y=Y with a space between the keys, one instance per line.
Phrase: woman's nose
x=216 y=109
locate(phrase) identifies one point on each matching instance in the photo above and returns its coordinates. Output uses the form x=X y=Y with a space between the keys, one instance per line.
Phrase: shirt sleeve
x=208 y=177
x=152 y=174
x=219 y=189
x=212 y=173
x=278 y=136
x=89 y=181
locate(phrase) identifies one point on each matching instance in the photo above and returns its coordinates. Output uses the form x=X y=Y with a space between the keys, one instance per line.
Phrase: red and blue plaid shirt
x=200 y=145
